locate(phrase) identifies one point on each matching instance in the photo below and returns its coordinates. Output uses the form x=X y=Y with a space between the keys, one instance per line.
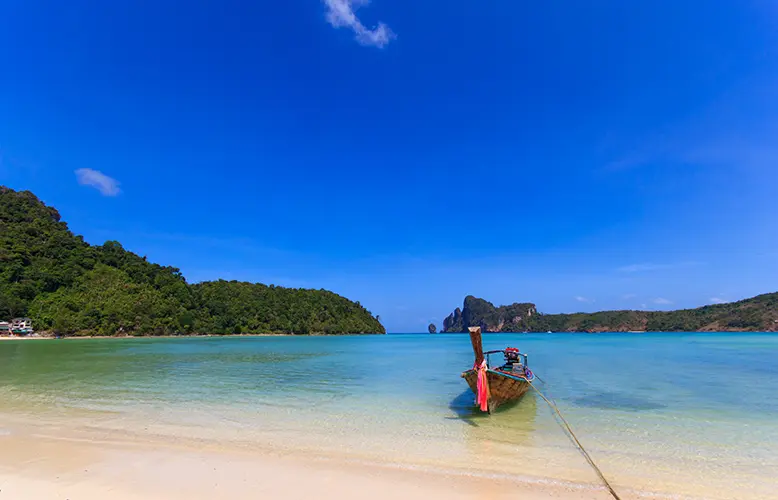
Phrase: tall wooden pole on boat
x=478 y=348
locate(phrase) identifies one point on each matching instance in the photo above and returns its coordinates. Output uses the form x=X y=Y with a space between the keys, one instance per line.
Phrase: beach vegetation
x=69 y=287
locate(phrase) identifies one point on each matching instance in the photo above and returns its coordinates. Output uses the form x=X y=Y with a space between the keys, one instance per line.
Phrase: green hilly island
x=755 y=314
x=69 y=287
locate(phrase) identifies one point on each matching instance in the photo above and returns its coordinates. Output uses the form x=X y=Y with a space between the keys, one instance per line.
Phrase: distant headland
x=69 y=287
x=757 y=314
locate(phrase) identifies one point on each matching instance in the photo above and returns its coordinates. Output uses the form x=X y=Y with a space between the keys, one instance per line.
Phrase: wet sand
x=36 y=463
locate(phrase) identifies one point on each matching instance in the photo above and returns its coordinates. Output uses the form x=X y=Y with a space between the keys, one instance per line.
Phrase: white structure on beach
x=21 y=325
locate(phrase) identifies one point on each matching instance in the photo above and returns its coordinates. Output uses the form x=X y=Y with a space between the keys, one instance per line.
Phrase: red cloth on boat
x=482 y=394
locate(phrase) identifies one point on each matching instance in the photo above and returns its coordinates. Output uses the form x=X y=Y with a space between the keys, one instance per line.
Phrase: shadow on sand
x=512 y=425
x=464 y=408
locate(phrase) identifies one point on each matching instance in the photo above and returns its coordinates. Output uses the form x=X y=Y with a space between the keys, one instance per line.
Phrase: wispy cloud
x=724 y=134
x=341 y=14
x=717 y=300
x=662 y=302
x=650 y=266
x=585 y=300
x=108 y=186
x=629 y=296
x=639 y=268
x=625 y=163
x=10 y=163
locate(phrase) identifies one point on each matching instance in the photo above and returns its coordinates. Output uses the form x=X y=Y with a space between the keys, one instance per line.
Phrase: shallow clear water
x=669 y=413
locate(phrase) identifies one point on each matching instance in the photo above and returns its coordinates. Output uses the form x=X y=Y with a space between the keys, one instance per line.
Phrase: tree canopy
x=71 y=287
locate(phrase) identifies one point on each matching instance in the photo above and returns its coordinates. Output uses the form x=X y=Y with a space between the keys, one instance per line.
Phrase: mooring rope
x=583 y=451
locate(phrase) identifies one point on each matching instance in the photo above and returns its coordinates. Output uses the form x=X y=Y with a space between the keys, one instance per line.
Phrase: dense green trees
x=70 y=287
x=236 y=307
x=37 y=252
x=756 y=314
x=106 y=301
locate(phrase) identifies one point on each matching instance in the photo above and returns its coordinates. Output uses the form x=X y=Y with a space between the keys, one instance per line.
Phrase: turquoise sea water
x=676 y=415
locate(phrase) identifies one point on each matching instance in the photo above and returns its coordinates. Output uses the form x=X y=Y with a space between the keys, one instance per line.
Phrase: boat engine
x=511 y=355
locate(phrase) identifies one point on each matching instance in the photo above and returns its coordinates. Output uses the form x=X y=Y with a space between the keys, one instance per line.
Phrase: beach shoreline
x=142 y=419
x=46 y=336
x=40 y=462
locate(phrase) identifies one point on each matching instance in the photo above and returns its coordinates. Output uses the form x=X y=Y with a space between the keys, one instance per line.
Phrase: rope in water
x=583 y=451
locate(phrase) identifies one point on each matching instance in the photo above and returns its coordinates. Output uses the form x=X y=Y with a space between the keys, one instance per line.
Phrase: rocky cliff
x=479 y=312
x=757 y=314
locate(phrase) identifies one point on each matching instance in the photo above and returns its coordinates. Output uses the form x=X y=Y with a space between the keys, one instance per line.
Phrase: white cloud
x=585 y=300
x=340 y=14
x=649 y=266
x=108 y=186
x=628 y=296
x=662 y=302
x=717 y=300
x=636 y=268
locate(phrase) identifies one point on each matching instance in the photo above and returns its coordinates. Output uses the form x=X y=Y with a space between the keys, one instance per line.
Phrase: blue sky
x=579 y=155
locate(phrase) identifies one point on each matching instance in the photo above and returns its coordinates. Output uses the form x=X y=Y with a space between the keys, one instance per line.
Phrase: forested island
x=69 y=287
x=759 y=314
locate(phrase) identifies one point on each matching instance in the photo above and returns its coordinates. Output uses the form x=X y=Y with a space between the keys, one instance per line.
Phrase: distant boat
x=494 y=386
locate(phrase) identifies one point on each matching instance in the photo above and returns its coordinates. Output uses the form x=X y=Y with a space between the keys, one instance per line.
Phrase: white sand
x=35 y=467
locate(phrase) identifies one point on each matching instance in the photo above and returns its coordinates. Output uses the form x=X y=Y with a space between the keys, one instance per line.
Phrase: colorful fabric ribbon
x=482 y=394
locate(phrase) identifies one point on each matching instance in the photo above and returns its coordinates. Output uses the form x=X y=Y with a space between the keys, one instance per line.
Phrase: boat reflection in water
x=497 y=441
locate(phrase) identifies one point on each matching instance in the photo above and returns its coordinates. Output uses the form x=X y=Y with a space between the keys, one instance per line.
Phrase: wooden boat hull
x=503 y=387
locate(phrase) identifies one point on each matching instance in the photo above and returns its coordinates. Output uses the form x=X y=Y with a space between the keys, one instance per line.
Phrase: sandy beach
x=249 y=418
x=38 y=462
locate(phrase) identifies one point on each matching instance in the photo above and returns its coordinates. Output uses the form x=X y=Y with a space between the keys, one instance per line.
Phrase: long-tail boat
x=494 y=386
